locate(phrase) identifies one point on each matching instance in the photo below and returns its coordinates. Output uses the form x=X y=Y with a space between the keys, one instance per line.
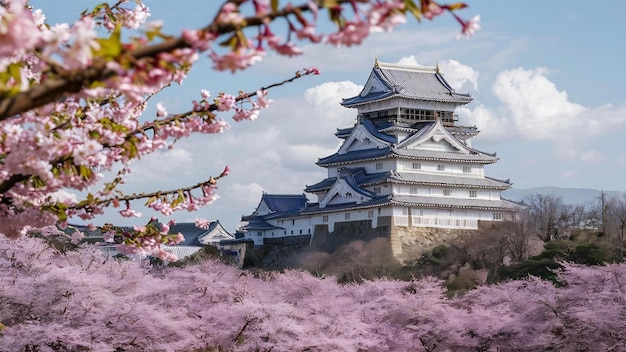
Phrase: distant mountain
x=568 y=195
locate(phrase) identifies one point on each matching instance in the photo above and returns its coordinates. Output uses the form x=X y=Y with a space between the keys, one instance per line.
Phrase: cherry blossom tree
x=73 y=96
x=85 y=300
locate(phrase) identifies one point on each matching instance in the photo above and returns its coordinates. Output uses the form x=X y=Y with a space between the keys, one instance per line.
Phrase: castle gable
x=343 y=192
x=262 y=209
x=435 y=138
x=361 y=138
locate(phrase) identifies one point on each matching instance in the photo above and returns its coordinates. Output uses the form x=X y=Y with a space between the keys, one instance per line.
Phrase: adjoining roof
x=413 y=201
x=191 y=232
x=355 y=156
x=416 y=178
x=414 y=154
x=314 y=208
x=459 y=203
x=279 y=203
x=423 y=83
x=371 y=128
x=258 y=223
x=449 y=180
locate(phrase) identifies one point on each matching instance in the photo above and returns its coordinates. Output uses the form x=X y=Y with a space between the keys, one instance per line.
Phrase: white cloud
x=531 y=108
x=247 y=194
x=461 y=77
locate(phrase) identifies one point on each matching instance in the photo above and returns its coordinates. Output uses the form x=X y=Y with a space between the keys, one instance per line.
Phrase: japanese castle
x=404 y=165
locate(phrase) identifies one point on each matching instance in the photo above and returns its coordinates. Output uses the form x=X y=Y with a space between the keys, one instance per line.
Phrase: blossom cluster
x=145 y=241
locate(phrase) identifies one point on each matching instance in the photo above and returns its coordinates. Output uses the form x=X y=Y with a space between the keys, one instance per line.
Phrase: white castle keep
x=404 y=164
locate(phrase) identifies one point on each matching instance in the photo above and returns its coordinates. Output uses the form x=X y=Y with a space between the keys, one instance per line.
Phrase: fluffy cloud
x=533 y=108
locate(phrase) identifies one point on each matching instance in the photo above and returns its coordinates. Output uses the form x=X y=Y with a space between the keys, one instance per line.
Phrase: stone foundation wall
x=407 y=243
x=349 y=231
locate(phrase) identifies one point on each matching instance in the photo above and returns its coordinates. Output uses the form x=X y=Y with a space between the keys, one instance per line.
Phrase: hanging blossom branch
x=221 y=103
x=164 y=201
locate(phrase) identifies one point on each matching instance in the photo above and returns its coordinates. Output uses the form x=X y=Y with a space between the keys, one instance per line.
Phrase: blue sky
x=547 y=79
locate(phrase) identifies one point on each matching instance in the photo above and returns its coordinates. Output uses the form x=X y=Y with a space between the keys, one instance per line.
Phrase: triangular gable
x=436 y=137
x=342 y=192
x=262 y=209
x=360 y=139
x=217 y=233
x=374 y=84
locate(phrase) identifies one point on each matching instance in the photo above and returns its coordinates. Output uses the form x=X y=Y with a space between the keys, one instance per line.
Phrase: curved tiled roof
x=411 y=83
x=449 y=180
x=459 y=203
x=258 y=223
x=284 y=202
x=415 y=154
x=355 y=156
x=313 y=208
x=418 y=178
x=371 y=128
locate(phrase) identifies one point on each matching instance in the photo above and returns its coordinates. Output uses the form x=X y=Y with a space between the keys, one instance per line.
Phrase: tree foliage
x=86 y=301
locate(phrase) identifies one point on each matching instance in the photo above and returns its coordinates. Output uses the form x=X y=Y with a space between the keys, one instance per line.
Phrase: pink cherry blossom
x=161 y=111
x=432 y=10
x=236 y=60
x=225 y=172
x=352 y=33
x=203 y=223
x=18 y=29
x=288 y=49
x=128 y=213
x=225 y=102
x=470 y=27
x=262 y=102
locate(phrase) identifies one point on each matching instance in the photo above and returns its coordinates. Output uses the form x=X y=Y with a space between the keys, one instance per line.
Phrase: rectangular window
x=379 y=166
x=370 y=214
x=472 y=194
x=441 y=167
x=377 y=190
x=324 y=218
x=347 y=216
x=413 y=190
x=467 y=169
x=417 y=166
x=497 y=216
x=446 y=192
x=259 y=233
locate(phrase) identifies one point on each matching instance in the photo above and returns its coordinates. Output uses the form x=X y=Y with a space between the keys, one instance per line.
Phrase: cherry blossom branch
x=215 y=107
x=86 y=204
x=74 y=80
